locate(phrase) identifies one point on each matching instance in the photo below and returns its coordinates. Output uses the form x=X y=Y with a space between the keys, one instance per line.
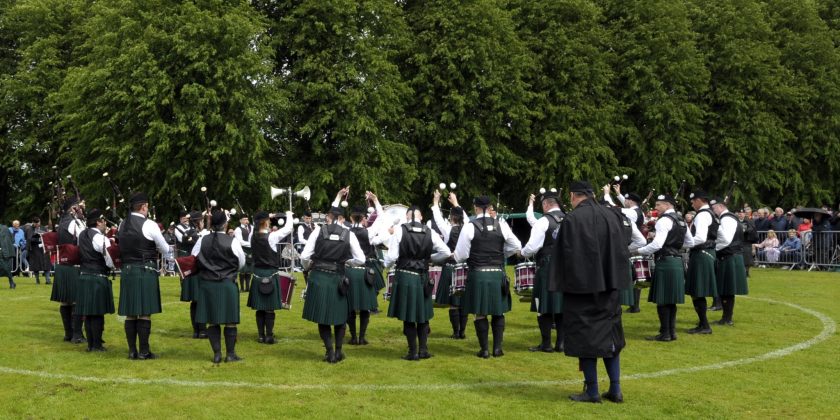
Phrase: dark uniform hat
x=699 y=194
x=457 y=211
x=358 y=211
x=219 y=218
x=550 y=195
x=716 y=200
x=138 y=198
x=667 y=198
x=70 y=202
x=183 y=213
x=581 y=187
x=94 y=215
x=195 y=215
x=633 y=196
x=482 y=201
x=260 y=216
x=337 y=211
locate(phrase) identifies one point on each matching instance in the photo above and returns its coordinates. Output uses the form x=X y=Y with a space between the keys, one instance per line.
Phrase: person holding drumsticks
x=547 y=305
x=264 y=295
x=95 y=296
x=451 y=230
x=701 y=282
x=668 y=286
x=483 y=244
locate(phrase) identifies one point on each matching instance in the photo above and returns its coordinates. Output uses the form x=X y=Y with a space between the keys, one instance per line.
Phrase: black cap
x=699 y=194
x=581 y=187
x=219 y=218
x=307 y=213
x=94 y=215
x=358 y=211
x=138 y=198
x=716 y=200
x=337 y=211
x=550 y=195
x=481 y=201
x=260 y=216
x=633 y=196
x=183 y=213
x=195 y=215
x=666 y=198
x=457 y=211
x=70 y=202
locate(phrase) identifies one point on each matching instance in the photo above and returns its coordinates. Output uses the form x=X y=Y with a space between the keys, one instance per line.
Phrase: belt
x=486 y=269
x=354 y=267
x=400 y=270
x=93 y=274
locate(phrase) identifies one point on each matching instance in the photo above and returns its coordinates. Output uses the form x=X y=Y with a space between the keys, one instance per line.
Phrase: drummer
x=190 y=284
x=243 y=234
x=701 y=282
x=547 y=305
x=451 y=229
x=411 y=248
x=483 y=244
x=95 y=295
x=668 y=287
x=264 y=296
x=630 y=208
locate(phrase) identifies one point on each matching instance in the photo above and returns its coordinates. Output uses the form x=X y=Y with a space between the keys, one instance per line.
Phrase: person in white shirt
x=730 y=274
x=242 y=233
x=700 y=280
x=451 y=229
x=95 y=295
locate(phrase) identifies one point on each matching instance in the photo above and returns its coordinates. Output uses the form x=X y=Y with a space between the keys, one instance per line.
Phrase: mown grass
x=375 y=382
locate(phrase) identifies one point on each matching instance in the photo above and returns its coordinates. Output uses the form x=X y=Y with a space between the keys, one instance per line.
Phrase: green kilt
x=189 y=288
x=700 y=279
x=139 y=290
x=64 y=283
x=324 y=304
x=408 y=301
x=261 y=302
x=543 y=301
x=248 y=268
x=732 y=276
x=218 y=302
x=627 y=296
x=484 y=293
x=378 y=281
x=95 y=295
x=361 y=297
x=443 y=297
x=668 y=286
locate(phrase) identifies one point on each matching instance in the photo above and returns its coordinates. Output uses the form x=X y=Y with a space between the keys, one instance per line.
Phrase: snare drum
x=434 y=277
x=389 y=288
x=524 y=282
x=287 y=289
x=459 y=279
x=642 y=269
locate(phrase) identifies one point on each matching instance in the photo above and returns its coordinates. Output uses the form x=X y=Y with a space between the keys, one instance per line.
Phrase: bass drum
x=395 y=213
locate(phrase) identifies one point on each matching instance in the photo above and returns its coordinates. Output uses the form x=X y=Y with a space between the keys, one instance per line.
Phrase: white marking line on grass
x=829 y=328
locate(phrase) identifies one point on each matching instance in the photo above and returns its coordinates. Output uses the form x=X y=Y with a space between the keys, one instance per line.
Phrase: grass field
x=778 y=361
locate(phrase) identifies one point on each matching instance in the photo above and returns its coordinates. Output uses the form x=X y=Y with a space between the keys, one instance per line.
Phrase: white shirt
x=275 y=237
x=442 y=223
x=235 y=246
x=180 y=230
x=462 y=249
x=538 y=231
x=637 y=240
x=701 y=224
x=76 y=227
x=440 y=255
x=663 y=226
x=301 y=233
x=151 y=231
x=726 y=231
x=237 y=233
x=356 y=253
x=100 y=244
x=530 y=216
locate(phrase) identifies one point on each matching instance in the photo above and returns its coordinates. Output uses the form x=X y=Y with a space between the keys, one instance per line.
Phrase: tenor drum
x=390 y=286
x=524 y=278
x=642 y=269
x=459 y=279
x=434 y=277
x=287 y=289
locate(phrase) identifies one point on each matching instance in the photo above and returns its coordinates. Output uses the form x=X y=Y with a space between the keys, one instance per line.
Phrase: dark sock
x=89 y=331
x=481 y=327
x=98 y=329
x=423 y=336
x=351 y=322
x=77 y=324
x=193 y=306
x=662 y=312
x=558 y=325
x=37 y=278
x=270 y=317
x=637 y=296
x=455 y=321
x=672 y=321
x=230 y=340
x=144 y=330
x=340 y=330
x=364 y=320
x=66 y=312
x=463 y=317
x=498 y=324
x=544 y=321
x=613 y=365
x=326 y=336
x=590 y=375
x=700 y=308
x=214 y=334
x=261 y=324
x=731 y=308
x=410 y=331
x=131 y=334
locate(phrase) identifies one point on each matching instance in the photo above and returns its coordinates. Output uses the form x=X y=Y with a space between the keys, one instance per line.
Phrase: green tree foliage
x=170 y=96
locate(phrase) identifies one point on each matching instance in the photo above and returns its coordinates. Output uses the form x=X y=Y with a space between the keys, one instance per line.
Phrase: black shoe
x=425 y=355
x=363 y=342
x=195 y=335
x=132 y=355
x=339 y=356
x=329 y=356
x=49 y=282
x=202 y=335
x=659 y=337
x=146 y=356
x=674 y=337
x=616 y=398
x=498 y=353
x=725 y=322
x=232 y=358
x=455 y=336
x=217 y=358
x=716 y=308
x=354 y=341
x=634 y=310
x=100 y=348
x=411 y=357
x=67 y=339
x=484 y=354
x=542 y=349
x=261 y=340
x=270 y=340
x=584 y=397
x=13 y=285
x=462 y=336
x=700 y=330
x=78 y=340
x=559 y=349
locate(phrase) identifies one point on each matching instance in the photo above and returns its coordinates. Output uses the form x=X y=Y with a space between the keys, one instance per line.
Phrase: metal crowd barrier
x=818 y=250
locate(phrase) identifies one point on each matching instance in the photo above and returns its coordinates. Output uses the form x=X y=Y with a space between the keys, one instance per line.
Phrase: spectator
x=803 y=227
x=822 y=240
x=19 y=242
x=768 y=250
x=39 y=261
x=762 y=223
x=791 y=250
x=169 y=235
x=792 y=221
x=778 y=222
x=7 y=253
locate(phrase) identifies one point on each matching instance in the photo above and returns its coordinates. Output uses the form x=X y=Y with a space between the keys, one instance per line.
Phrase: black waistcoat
x=216 y=258
x=454 y=233
x=134 y=247
x=332 y=247
x=264 y=256
x=91 y=260
x=245 y=232
x=711 y=234
x=735 y=246
x=189 y=234
x=488 y=244
x=65 y=237
x=674 y=239
x=415 y=247
x=364 y=241
x=307 y=230
x=554 y=218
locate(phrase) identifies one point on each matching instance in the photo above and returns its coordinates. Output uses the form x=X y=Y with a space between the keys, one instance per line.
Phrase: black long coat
x=590 y=263
x=38 y=259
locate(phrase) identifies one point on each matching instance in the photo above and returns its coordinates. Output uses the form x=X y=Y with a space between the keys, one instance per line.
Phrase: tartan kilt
x=543 y=301
x=701 y=278
x=139 y=290
x=408 y=301
x=217 y=302
x=627 y=296
x=361 y=296
x=324 y=304
x=484 y=293
x=261 y=302
x=379 y=280
x=64 y=283
x=443 y=297
x=732 y=276
x=95 y=295
x=248 y=268
x=668 y=286
x=189 y=288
